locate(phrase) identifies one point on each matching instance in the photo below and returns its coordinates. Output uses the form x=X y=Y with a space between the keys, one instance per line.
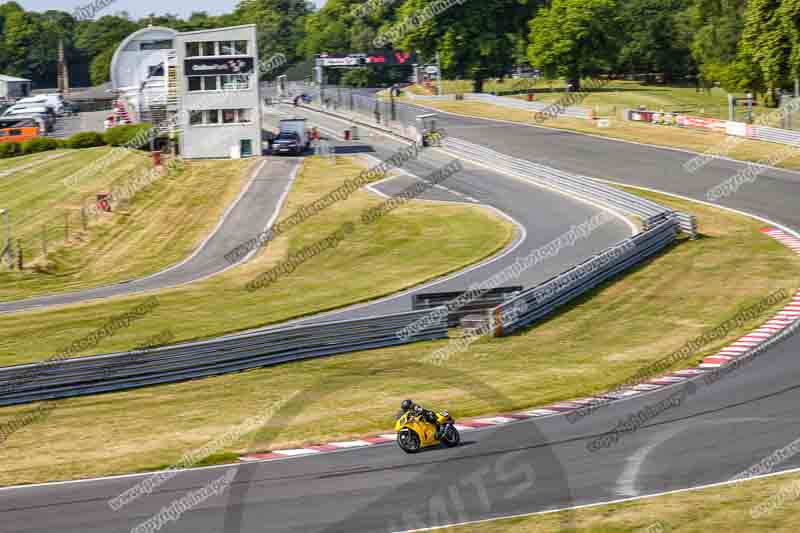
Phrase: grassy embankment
x=161 y=225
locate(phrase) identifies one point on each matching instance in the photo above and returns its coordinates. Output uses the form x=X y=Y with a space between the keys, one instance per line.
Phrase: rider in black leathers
x=427 y=415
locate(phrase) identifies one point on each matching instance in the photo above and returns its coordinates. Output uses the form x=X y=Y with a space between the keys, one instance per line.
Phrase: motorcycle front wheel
x=408 y=441
x=451 y=437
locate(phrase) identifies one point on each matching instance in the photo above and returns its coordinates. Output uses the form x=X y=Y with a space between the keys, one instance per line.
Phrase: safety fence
x=477 y=305
x=533 y=106
x=543 y=299
x=585 y=113
x=122 y=371
x=726 y=127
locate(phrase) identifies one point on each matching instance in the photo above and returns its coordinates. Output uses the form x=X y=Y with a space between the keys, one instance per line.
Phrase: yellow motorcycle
x=415 y=433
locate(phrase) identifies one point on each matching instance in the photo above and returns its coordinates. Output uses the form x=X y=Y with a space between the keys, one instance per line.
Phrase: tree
x=714 y=28
x=25 y=55
x=357 y=77
x=769 y=43
x=652 y=40
x=281 y=26
x=100 y=68
x=97 y=36
x=477 y=40
x=575 y=39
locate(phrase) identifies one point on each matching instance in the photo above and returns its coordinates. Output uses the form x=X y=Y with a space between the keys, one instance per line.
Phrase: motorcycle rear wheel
x=408 y=441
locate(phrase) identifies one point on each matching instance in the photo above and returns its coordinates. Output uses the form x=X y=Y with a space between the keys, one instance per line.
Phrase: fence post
x=83 y=215
x=19 y=254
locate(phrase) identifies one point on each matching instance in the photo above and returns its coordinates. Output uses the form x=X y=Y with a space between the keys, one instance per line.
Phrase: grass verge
x=585 y=349
x=667 y=136
x=712 y=509
x=161 y=225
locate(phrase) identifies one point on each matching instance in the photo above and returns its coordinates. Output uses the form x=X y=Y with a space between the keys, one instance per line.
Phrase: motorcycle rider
x=424 y=414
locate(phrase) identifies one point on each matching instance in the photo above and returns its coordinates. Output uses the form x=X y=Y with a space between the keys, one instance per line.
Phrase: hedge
x=39 y=144
x=10 y=149
x=122 y=135
x=85 y=139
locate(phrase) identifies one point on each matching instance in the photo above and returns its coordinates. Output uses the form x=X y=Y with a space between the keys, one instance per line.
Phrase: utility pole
x=63 y=70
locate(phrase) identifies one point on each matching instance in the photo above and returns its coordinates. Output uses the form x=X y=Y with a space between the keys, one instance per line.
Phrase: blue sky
x=140 y=8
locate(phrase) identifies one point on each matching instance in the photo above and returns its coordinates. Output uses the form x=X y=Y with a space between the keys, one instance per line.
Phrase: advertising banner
x=218 y=65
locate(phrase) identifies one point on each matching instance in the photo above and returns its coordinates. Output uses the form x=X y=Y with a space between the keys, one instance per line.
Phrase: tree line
x=749 y=45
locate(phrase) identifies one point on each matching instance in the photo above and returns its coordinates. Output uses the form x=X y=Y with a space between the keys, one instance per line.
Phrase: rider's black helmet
x=406 y=405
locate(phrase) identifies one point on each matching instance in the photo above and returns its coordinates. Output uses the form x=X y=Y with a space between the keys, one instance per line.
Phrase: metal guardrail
x=129 y=370
x=572 y=112
x=477 y=305
x=776 y=135
x=543 y=299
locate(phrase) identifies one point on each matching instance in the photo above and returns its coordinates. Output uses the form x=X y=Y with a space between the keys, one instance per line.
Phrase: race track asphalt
x=715 y=432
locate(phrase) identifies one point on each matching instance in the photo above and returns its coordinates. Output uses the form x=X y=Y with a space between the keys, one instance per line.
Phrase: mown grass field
x=584 y=349
x=726 y=508
x=161 y=225
x=668 y=136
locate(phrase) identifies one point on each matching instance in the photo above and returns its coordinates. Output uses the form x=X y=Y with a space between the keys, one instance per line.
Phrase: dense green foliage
x=123 y=134
x=740 y=44
x=10 y=149
x=85 y=139
x=39 y=144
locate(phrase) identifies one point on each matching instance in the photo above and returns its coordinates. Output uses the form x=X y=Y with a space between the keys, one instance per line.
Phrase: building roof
x=3 y=77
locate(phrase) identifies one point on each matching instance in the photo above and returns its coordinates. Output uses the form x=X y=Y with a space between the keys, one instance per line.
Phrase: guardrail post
x=497 y=322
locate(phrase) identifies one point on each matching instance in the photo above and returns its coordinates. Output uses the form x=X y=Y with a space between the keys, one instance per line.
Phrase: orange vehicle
x=19 y=135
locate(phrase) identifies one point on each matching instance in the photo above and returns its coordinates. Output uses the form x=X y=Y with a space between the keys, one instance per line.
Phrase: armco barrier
x=572 y=112
x=545 y=298
x=122 y=371
x=473 y=306
x=776 y=135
